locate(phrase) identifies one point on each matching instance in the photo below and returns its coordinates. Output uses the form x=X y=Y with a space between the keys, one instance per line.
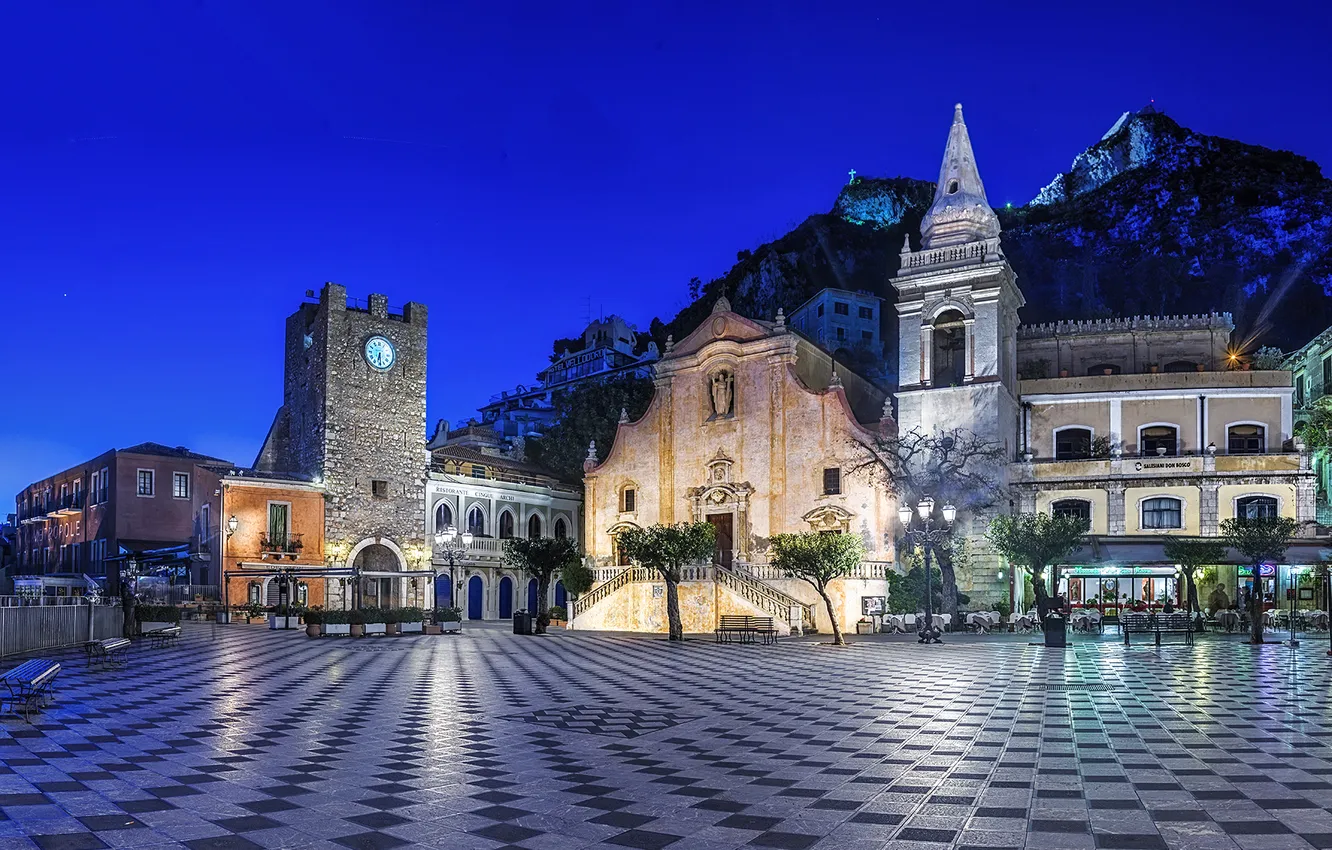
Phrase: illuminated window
x=1162 y=512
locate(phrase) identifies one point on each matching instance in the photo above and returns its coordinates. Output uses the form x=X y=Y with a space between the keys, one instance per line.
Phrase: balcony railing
x=70 y=503
x=286 y=545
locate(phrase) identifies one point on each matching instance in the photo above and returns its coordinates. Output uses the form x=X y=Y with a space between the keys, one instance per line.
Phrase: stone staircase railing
x=771 y=600
x=601 y=591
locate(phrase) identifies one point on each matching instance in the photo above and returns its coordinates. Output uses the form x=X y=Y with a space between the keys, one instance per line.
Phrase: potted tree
x=336 y=622
x=410 y=621
x=356 y=621
x=314 y=622
x=559 y=616
x=375 y=624
x=449 y=620
x=392 y=616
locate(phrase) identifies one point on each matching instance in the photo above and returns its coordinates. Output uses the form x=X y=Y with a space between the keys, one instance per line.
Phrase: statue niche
x=722 y=388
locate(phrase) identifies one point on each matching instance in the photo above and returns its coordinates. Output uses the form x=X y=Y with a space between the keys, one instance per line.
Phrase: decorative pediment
x=829 y=518
x=719 y=468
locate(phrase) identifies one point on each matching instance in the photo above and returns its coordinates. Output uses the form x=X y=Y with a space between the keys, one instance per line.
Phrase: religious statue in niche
x=723 y=391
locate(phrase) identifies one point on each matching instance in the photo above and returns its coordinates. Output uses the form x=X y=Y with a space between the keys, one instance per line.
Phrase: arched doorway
x=506 y=598
x=444 y=591
x=532 y=595
x=475 y=598
x=561 y=597
x=378 y=591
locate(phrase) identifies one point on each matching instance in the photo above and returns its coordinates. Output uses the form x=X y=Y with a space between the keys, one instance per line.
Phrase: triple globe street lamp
x=921 y=528
x=452 y=546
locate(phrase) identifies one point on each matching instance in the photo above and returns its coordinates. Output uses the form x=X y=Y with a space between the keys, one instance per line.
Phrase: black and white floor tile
x=240 y=737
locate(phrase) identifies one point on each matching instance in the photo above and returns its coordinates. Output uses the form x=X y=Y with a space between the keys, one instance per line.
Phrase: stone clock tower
x=354 y=416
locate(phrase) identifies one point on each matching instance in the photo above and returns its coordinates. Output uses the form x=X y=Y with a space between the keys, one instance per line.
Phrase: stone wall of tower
x=373 y=422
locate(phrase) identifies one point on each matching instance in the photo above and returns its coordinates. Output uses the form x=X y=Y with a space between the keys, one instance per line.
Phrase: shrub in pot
x=153 y=617
x=410 y=620
x=558 y=615
x=391 y=620
x=314 y=622
x=356 y=621
x=449 y=619
x=336 y=622
x=375 y=623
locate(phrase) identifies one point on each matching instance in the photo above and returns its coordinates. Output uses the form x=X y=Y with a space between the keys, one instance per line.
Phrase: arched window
x=1153 y=439
x=561 y=529
x=1181 y=366
x=1246 y=439
x=1076 y=508
x=534 y=526
x=443 y=517
x=1256 y=507
x=950 y=349
x=1073 y=443
x=476 y=521
x=952 y=187
x=1104 y=369
x=505 y=525
x=1162 y=512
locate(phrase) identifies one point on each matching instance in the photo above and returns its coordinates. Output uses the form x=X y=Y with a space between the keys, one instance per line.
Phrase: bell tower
x=957 y=303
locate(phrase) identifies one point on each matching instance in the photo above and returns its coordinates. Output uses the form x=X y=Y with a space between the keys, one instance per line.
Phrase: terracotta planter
x=313 y=630
x=392 y=628
x=1153 y=369
x=432 y=629
x=357 y=629
x=560 y=623
x=1063 y=373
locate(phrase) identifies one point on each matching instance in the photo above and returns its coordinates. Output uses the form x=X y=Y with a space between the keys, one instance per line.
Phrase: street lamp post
x=452 y=546
x=920 y=527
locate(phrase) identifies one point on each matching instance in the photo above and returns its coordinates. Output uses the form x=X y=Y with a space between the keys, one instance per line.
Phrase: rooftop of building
x=160 y=450
x=1154 y=381
x=831 y=292
x=1127 y=324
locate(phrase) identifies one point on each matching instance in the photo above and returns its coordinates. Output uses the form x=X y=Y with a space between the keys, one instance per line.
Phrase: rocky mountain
x=1152 y=219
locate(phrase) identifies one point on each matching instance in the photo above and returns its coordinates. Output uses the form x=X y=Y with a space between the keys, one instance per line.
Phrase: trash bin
x=1056 y=631
x=522 y=623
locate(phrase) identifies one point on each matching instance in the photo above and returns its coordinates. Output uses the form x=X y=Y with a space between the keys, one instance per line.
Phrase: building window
x=1256 y=507
x=866 y=312
x=832 y=481
x=443 y=517
x=820 y=311
x=1299 y=390
x=279 y=524
x=1075 y=508
x=533 y=527
x=1327 y=376
x=1245 y=439
x=1157 y=438
x=478 y=471
x=145 y=482
x=841 y=308
x=1104 y=369
x=379 y=489
x=841 y=333
x=1162 y=512
x=476 y=522
x=867 y=336
x=561 y=529
x=505 y=525
x=1181 y=366
x=252 y=593
x=102 y=485
x=628 y=500
x=1073 y=443
x=180 y=485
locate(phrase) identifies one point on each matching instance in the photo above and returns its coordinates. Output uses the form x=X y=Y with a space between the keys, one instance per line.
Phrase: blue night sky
x=174 y=176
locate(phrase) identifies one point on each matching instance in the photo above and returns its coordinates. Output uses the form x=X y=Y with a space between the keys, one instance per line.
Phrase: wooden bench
x=163 y=636
x=30 y=685
x=1157 y=625
x=108 y=651
x=745 y=628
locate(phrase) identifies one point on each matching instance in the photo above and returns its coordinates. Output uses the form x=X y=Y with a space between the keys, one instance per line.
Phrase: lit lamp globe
x=925 y=508
x=949 y=514
x=904 y=514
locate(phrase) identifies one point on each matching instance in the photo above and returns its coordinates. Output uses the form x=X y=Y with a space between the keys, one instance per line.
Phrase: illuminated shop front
x=1110 y=588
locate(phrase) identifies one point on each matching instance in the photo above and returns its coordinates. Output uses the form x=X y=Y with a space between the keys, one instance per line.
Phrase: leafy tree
x=1034 y=542
x=541 y=558
x=957 y=467
x=1259 y=540
x=1316 y=430
x=587 y=413
x=667 y=548
x=578 y=578
x=819 y=559
x=1192 y=554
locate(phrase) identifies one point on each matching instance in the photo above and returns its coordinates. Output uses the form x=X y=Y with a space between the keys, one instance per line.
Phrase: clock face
x=379 y=353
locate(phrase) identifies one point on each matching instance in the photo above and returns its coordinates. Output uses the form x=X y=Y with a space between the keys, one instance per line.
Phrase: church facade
x=753 y=429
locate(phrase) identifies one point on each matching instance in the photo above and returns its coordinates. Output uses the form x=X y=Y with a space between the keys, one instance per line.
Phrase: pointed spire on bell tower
x=960 y=212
